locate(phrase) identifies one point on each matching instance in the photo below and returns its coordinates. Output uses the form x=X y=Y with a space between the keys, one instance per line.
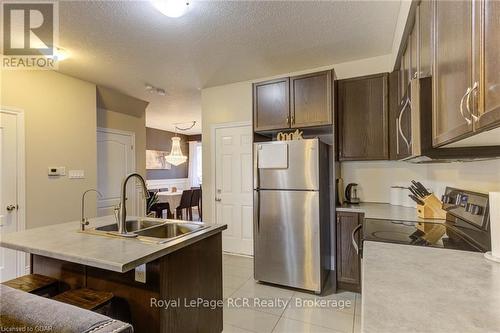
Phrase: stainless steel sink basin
x=132 y=225
x=169 y=231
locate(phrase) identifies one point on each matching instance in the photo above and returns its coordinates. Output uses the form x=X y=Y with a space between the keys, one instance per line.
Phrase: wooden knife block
x=431 y=209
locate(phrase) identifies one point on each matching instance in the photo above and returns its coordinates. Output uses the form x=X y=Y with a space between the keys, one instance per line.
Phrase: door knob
x=10 y=208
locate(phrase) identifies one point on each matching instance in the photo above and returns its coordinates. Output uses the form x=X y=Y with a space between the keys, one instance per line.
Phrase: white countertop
x=385 y=211
x=422 y=289
x=65 y=242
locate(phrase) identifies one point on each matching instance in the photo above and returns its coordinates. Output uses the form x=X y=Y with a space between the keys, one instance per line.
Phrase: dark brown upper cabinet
x=295 y=102
x=414 y=50
x=271 y=105
x=487 y=108
x=399 y=120
x=404 y=70
x=363 y=118
x=424 y=18
x=348 y=261
x=453 y=63
x=311 y=99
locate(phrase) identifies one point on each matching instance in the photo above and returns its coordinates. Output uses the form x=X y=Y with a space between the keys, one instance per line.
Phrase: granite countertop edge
x=150 y=251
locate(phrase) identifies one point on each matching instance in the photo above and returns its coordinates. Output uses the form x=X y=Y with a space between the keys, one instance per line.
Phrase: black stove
x=466 y=227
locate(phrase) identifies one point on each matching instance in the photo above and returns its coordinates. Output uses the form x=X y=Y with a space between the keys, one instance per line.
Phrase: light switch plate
x=76 y=174
x=140 y=273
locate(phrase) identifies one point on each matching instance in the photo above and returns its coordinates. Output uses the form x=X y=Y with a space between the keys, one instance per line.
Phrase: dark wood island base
x=182 y=293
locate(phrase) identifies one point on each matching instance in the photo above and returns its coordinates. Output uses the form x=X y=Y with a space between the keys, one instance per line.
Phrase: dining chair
x=195 y=201
x=185 y=205
x=159 y=207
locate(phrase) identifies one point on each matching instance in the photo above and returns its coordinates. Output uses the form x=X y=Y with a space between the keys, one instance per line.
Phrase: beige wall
x=376 y=178
x=130 y=123
x=60 y=127
x=233 y=103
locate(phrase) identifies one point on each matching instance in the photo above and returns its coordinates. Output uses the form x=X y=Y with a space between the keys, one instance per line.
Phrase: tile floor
x=288 y=316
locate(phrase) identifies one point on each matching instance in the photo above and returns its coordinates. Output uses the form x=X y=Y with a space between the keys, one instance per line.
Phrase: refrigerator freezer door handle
x=256 y=167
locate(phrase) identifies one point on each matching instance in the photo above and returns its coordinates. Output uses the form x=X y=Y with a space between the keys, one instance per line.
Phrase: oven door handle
x=353 y=239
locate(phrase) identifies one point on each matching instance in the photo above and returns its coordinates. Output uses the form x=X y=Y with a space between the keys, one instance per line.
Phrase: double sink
x=153 y=230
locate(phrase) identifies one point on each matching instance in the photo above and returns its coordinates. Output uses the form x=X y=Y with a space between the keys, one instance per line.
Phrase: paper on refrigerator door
x=273 y=156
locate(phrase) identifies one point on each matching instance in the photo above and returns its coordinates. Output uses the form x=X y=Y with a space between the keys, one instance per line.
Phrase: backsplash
x=376 y=178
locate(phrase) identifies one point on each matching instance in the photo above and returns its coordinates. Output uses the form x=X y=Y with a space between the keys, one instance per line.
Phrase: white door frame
x=22 y=268
x=134 y=166
x=213 y=159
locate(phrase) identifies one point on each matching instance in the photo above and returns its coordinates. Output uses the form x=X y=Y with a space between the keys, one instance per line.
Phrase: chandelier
x=176 y=157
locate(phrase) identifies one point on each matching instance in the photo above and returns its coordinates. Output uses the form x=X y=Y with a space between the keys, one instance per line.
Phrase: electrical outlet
x=140 y=273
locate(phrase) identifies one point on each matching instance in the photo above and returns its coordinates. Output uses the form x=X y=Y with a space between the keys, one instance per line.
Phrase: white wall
x=376 y=178
x=233 y=103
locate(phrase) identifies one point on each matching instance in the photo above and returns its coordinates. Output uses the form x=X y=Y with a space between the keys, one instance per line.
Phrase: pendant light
x=176 y=157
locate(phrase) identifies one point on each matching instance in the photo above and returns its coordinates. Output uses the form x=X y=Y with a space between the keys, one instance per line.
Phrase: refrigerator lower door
x=287 y=238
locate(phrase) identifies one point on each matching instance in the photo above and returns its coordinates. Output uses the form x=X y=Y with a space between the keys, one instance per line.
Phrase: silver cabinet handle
x=462 y=106
x=354 y=244
x=11 y=208
x=400 y=127
x=467 y=103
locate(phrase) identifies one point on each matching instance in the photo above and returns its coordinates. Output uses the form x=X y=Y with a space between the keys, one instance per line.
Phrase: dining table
x=172 y=198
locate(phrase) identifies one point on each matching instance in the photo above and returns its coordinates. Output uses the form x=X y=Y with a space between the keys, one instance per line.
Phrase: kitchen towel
x=495 y=223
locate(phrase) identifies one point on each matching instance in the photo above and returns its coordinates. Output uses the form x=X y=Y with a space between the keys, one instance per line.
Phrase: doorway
x=233 y=186
x=115 y=160
x=12 y=194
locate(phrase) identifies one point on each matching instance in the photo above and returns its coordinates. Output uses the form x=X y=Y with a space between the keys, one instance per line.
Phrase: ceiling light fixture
x=154 y=90
x=176 y=157
x=171 y=8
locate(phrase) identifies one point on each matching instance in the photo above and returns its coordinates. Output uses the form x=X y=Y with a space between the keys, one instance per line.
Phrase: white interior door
x=115 y=160
x=233 y=187
x=9 y=195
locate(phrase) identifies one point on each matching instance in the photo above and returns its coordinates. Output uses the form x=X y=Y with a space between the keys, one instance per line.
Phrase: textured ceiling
x=125 y=44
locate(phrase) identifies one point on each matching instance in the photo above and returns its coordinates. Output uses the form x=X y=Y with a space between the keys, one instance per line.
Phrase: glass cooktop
x=441 y=235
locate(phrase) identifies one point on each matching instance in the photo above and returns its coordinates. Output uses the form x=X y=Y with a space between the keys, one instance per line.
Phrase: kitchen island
x=424 y=289
x=185 y=270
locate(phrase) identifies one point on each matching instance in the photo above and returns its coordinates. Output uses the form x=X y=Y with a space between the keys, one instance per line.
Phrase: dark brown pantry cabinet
x=363 y=118
x=293 y=102
x=348 y=261
x=271 y=105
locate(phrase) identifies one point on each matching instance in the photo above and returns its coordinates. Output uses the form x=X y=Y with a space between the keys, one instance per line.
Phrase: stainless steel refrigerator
x=292 y=213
